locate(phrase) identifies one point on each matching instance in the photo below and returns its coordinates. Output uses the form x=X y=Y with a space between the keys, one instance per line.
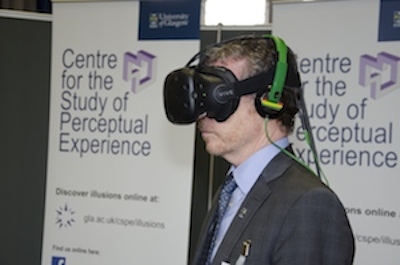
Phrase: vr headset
x=192 y=92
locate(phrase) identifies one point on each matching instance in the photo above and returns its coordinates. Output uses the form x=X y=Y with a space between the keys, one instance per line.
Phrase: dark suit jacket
x=290 y=217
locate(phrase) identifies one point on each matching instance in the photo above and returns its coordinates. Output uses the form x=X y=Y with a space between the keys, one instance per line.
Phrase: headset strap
x=262 y=80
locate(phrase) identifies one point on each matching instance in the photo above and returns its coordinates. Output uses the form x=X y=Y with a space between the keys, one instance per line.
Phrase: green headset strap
x=281 y=67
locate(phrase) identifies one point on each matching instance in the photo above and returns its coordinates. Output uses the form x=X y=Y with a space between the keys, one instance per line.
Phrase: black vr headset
x=196 y=91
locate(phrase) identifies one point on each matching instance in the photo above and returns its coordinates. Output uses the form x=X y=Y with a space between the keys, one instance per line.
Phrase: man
x=279 y=211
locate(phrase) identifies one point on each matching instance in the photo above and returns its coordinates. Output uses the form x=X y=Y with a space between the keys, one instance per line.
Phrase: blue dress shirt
x=246 y=175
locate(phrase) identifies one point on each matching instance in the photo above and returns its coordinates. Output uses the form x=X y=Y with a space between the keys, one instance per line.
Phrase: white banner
x=119 y=174
x=352 y=91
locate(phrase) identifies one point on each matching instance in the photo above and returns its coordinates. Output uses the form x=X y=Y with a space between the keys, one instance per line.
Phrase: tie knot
x=229 y=185
x=226 y=192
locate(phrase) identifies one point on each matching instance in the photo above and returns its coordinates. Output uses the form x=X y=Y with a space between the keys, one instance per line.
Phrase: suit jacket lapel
x=256 y=197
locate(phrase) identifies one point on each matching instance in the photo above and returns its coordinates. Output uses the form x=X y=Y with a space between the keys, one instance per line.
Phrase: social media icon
x=58 y=261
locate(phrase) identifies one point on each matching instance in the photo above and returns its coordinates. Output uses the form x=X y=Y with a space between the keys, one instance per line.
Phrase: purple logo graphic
x=139 y=69
x=374 y=72
x=65 y=216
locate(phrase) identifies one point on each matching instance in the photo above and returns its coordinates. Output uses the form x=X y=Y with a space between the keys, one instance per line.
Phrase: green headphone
x=269 y=103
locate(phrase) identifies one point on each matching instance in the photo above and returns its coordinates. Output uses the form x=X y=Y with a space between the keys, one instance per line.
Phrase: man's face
x=242 y=133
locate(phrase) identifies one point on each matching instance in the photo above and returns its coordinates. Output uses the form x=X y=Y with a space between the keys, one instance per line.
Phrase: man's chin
x=213 y=150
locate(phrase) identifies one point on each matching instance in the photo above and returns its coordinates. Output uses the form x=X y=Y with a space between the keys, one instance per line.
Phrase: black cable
x=302 y=112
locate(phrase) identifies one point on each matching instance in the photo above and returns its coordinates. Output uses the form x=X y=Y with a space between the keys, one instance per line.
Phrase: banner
x=119 y=174
x=351 y=78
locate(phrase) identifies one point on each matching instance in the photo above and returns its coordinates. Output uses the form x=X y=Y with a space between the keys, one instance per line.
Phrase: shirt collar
x=247 y=173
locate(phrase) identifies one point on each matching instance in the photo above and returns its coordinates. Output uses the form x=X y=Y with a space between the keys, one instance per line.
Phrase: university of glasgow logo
x=169 y=20
x=396 y=19
x=381 y=74
x=153 y=21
